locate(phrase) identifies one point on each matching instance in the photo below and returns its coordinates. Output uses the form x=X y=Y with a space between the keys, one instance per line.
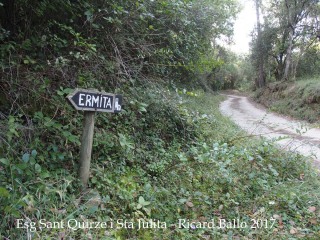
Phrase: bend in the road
x=256 y=120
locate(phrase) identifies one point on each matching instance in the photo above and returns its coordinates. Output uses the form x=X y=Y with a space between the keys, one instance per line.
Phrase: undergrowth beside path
x=299 y=99
x=169 y=162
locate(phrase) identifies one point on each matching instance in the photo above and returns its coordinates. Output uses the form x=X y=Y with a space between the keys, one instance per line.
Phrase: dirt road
x=256 y=120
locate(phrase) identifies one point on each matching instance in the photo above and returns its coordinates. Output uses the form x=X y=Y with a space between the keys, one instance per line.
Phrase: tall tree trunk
x=292 y=15
x=288 y=55
x=261 y=76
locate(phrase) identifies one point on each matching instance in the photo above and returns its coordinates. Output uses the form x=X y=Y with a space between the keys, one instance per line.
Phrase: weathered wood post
x=86 y=147
x=91 y=101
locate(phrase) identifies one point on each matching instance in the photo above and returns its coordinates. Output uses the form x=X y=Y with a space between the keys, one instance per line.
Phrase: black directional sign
x=93 y=100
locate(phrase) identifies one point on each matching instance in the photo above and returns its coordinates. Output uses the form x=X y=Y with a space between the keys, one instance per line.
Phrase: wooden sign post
x=86 y=147
x=91 y=101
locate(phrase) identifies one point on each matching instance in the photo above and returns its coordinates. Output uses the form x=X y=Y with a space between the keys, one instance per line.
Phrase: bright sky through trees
x=243 y=27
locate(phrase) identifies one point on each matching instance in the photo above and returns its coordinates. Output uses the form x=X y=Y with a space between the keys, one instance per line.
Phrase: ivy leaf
x=141 y=199
x=37 y=167
x=4 y=192
x=34 y=153
x=142 y=202
x=146 y=203
x=183 y=200
x=4 y=161
x=26 y=157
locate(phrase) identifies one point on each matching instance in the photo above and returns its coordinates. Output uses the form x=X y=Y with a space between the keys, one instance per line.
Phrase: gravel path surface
x=256 y=120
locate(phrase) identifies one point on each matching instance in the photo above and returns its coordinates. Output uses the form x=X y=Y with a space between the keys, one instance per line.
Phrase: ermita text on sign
x=95 y=101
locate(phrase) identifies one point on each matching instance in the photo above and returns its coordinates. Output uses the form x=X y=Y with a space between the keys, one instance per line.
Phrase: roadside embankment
x=299 y=99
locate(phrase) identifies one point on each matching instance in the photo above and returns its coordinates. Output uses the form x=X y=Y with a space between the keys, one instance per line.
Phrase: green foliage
x=218 y=69
x=104 y=45
x=299 y=99
x=286 y=39
x=228 y=73
x=165 y=156
x=309 y=62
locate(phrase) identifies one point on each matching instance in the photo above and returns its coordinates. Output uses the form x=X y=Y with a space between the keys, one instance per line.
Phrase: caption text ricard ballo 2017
x=75 y=224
